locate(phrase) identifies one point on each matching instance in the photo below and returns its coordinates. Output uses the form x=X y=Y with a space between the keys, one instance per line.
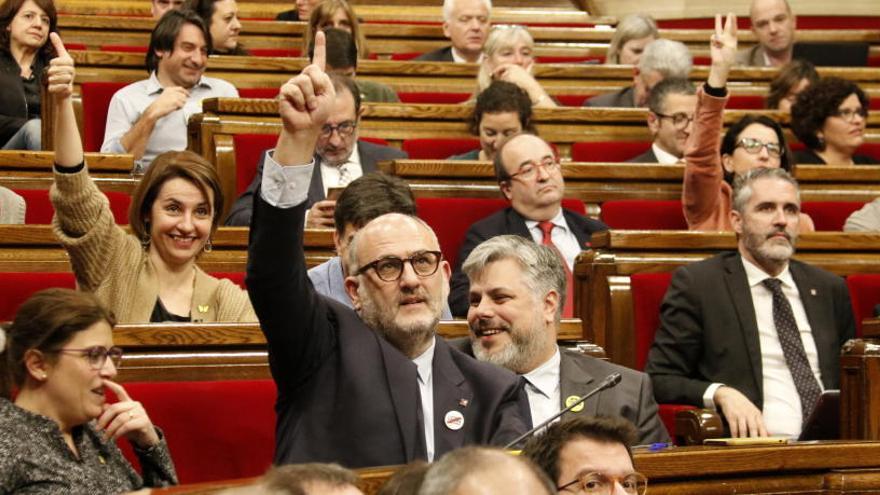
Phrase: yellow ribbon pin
x=571 y=399
x=203 y=308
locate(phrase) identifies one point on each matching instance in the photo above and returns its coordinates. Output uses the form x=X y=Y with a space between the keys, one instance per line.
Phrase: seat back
x=830 y=215
x=639 y=214
x=16 y=288
x=452 y=217
x=864 y=294
x=95 y=101
x=258 y=92
x=433 y=97
x=607 y=151
x=438 y=149
x=215 y=429
x=648 y=291
x=39 y=207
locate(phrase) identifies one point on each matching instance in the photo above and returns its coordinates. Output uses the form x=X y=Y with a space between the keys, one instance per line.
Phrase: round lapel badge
x=454 y=420
x=571 y=399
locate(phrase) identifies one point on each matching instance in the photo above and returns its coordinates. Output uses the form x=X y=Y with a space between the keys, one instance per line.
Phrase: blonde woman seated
x=632 y=35
x=508 y=57
x=150 y=276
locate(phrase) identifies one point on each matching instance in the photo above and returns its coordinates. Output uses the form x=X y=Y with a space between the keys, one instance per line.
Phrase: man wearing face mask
x=340 y=156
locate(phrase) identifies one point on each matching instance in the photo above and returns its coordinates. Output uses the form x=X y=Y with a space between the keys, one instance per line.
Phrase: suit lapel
x=402 y=377
x=812 y=299
x=741 y=295
x=578 y=226
x=575 y=381
x=367 y=158
x=451 y=393
x=516 y=224
x=316 y=186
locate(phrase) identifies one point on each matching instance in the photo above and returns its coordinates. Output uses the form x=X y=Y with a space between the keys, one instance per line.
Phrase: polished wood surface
x=860 y=386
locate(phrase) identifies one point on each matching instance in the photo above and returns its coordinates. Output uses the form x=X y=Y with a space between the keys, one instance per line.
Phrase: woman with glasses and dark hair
x=830 y=117
x=24 y=53
x=502 y=110
x=57 y=431
x=754 y=141
x=221 y=17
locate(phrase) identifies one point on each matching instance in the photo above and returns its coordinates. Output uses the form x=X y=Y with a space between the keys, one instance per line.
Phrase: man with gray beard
x=517 y=289
x=753 y=333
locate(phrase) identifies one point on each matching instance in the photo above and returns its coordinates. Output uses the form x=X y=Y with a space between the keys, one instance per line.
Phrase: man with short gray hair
x=661 y=59
x=466 y=24
x=516 y=291
x=773 y=24
x=753 y=333
x=481 y=470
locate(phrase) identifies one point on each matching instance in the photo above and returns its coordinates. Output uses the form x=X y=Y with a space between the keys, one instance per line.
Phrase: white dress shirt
x=457 y=58
x=664 y=157
x=542 y=387
x=562 y=237
x=330 y=173
x=425 y=362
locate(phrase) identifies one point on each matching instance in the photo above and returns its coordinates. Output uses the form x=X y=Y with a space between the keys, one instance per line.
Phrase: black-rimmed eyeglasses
x=389 y=269
x=344 y=129
x=679 y=120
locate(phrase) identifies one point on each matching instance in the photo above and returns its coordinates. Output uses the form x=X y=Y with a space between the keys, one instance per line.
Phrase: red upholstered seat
x=215 y=429
x=235 y=277
x=16 y=288
x=638 y=214
x=648 y=291
x=869 y=149
x=75 y=46
x=39 y=208
x=545 y=59
x=864 y=293
x=607 y=151
x=124 y=48
x=452 y=217
x=275 y=52
x=571 y=100
x=95 y=101
x=433 y=97
x=830 y=215
x=258 y=92
x=405 y=56
x=438 y=149
x=746 y=102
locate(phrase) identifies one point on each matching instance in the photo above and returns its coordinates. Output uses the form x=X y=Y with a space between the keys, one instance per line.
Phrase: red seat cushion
x=452 y=217
x=95 y=101
x=870 y=149
x=608 y=151
x=638 y=214
x=235 y=277
x=648 y=291
x=275 y=52
x=39 y=208
x=433 y=97
x=746 y=102
x=830 y=215
x=545 y=59
x=405 y=56
x=215 y=429
x=258 y=92
x=124 y=48
x=16 y=288
x=248 y=150
x=438 y=149
x=864 y=294
x=572 y=100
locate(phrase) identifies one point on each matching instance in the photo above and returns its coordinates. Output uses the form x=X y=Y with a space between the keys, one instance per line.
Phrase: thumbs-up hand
x=61 y=70
x=305 y=101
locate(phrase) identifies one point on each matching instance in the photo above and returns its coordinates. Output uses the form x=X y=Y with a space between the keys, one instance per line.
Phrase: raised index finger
x=718 y=28
x=117 y=389
x=319 y=57
x=58 y=45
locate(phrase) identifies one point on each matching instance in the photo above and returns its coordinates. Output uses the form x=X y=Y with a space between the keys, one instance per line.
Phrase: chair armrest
x=695 y=425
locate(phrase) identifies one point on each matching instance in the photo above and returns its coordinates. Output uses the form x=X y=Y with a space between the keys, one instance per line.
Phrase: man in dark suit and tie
x=374 y=386
x=466 y=24
x=753 y=333
x=670 y=117
x=340 y=158
x=516 y=294
x=530 y=177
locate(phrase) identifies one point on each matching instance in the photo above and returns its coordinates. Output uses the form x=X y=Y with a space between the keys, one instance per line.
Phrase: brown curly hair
x=817 y=103
x=8 y=11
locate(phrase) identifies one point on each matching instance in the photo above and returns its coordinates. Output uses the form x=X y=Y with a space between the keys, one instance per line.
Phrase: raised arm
x=703 y=171
x=68 y=145
x=292 y=315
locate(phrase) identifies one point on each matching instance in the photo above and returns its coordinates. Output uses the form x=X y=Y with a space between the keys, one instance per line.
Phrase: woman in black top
x=24 y=52
x=829 y=117
x=221 y=17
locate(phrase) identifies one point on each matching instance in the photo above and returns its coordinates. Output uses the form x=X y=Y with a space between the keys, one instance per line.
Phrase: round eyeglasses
x=753 y=147
x=527 y=171
x=679 y=120
x=389 y=269
x=97 y=355
x=600 y=484
x=344 y=129
x=849 y=114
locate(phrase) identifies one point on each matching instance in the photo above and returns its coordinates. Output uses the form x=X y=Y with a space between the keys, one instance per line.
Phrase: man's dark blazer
x=709 y=333
x=370 y=154
x=288 y=15
x=631 y=399
x=624 y=98
x=646 y=157
x=439 y=55
x=344 y=393
x=506 y=221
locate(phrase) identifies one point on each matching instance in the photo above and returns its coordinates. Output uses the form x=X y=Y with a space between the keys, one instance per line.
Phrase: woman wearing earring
x=150 y=276
x=57 y=431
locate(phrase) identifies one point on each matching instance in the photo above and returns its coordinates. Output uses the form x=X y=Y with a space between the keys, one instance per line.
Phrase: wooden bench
x=603 y=275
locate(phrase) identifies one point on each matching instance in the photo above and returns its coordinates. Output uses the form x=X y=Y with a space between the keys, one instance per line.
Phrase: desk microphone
x=610 y=381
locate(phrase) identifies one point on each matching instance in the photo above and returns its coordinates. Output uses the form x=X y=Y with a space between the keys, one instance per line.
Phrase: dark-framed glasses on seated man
x=390 y=268
x=600 y=484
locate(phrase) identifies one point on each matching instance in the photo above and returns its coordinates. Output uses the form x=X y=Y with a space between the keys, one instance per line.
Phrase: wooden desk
x=603 y=285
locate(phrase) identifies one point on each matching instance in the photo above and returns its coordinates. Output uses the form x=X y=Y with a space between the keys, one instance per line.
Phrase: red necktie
x=547 y=240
